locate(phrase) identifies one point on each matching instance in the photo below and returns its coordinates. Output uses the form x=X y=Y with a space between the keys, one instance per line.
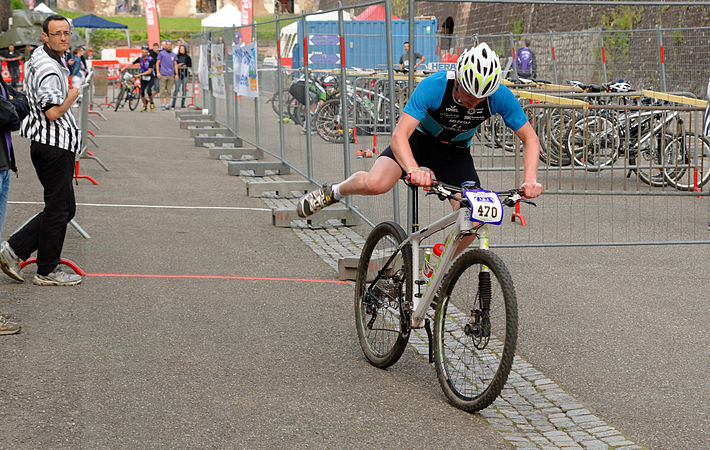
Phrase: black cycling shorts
x=146 y=86
x=451 y=164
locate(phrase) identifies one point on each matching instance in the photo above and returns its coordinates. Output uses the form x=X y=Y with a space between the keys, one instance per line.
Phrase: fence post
x=601 y=47
x=390 y=76
x=344 y=101
x=229 y=87
x=213 y=100
x=256 y=99
x=279 y=84
x=554 y=61
x=661 y=57
x=307 y=90
x=512 y=46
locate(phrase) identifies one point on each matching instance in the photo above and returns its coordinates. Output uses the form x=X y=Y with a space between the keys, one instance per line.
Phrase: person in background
x=147 y=73
x=154 y=54
x=12 y=58
x=56 y=139
x=184 y=64
x=404 y=59
x=13 y=108
x=75 y=69
x=525 y=62
x=167 y=72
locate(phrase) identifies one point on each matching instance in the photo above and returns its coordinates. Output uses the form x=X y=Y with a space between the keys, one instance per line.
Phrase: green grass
x=174 y=27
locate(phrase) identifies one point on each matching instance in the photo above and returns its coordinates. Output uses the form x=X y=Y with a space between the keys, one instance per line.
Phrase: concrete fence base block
x=282 y=188
x=198 y=124
x=210 y=131
x=347 y=268
x=193 y=115
x=282 y=217
x=259 y=167
x=216 y=141
x=235 y=153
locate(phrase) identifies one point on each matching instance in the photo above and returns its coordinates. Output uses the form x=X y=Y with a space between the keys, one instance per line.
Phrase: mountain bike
x=475 y=307
x=130 y=91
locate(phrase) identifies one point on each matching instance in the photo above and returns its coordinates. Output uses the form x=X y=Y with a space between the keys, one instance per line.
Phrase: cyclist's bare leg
x=380 y=179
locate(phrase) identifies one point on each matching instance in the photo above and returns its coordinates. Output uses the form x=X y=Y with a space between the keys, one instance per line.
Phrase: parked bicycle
x=476 y=317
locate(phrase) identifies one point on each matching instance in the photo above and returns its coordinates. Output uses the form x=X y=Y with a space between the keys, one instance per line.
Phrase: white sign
x=246 y=80
x=218 y=88
x=203 y=72
x=485 y=206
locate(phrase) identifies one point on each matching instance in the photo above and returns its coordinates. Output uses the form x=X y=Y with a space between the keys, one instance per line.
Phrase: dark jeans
x=14 y=76
x=45 y=232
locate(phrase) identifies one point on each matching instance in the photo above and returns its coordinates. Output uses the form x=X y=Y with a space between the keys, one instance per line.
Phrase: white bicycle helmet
x=478 y=71
x=620 y=86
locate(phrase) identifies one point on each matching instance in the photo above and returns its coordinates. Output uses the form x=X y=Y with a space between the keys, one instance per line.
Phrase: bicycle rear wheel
x=689 y=162
x=383 y=295
x=134 y=97
x=476 y=330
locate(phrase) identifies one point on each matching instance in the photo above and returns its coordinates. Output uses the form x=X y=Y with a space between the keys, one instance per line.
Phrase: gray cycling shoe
x=316 y=200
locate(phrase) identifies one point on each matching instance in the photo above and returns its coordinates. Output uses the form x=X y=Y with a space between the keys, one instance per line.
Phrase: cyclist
x=435 y=131
x=147 y=66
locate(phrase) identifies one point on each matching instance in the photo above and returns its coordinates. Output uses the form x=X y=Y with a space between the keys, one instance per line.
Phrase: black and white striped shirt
x=47 y=84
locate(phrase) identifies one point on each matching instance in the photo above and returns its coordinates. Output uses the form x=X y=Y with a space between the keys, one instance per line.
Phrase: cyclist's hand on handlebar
x=531 y=189
x=420 y=176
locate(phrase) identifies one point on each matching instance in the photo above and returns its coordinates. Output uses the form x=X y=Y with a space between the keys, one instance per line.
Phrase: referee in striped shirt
x=55 y=140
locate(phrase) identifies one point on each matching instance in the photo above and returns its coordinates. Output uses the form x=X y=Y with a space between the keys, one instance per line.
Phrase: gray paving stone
x=594 y=444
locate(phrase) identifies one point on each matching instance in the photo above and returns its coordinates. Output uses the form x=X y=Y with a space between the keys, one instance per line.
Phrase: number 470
x=487 y=211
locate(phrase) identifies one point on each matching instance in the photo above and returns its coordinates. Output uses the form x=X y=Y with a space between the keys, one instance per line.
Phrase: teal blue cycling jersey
x=440 y=116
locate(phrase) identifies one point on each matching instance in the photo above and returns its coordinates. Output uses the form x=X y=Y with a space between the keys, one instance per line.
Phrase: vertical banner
x=151 y=21
x=203 y=68
x=246 y=81
x=246 y=20
x=217 y=60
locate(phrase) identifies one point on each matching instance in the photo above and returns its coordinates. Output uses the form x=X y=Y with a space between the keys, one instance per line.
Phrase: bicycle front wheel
x=476 y=330
x=134 y=97
x=383 y=295
x=689 y=162
x=121 y=93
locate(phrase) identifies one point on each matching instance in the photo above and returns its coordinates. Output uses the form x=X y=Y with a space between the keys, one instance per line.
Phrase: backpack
x=524 y=60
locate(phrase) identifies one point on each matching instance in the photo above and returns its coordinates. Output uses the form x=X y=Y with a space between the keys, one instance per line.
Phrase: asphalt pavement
x=202 y=325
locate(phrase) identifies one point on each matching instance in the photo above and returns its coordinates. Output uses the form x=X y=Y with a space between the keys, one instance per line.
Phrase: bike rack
x=518 y=215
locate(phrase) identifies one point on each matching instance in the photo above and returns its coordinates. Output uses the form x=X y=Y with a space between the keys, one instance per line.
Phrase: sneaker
x=315 y=201
x=7 y=327
x=57 y=278
x=10 y=262
x=152 y=106
x=145 y=108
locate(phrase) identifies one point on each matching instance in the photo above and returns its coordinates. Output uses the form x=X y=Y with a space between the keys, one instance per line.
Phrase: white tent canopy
x=44 y=8
x=289 y=32
x=229 y=16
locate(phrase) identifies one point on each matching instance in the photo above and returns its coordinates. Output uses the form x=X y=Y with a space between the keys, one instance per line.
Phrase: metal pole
x=279 y=82
x=554 y=59
x=213 y=100
x=411 y=203
x=390 y=76
x=344 y=101
x=601 y=48
x=307 y=125
x=512 y=47
x=256 y=99
x=229 y=87
x=661 y=57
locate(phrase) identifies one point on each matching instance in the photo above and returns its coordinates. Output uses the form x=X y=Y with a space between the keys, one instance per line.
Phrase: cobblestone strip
x=532 y=411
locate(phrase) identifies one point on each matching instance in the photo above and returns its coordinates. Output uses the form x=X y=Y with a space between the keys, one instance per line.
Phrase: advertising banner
x=203 y=68
x=247 y=7
x=217 y=60
x=245 y=72
x=151 y=21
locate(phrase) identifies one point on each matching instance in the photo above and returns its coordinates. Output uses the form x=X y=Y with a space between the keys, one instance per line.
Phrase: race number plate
x=485 y=206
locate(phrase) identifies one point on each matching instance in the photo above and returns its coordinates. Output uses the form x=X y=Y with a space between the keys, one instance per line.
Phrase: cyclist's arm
x=531 y=154
x=403 y=152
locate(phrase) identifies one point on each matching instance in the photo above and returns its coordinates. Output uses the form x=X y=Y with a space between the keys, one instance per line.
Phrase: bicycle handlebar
x=446 y=192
